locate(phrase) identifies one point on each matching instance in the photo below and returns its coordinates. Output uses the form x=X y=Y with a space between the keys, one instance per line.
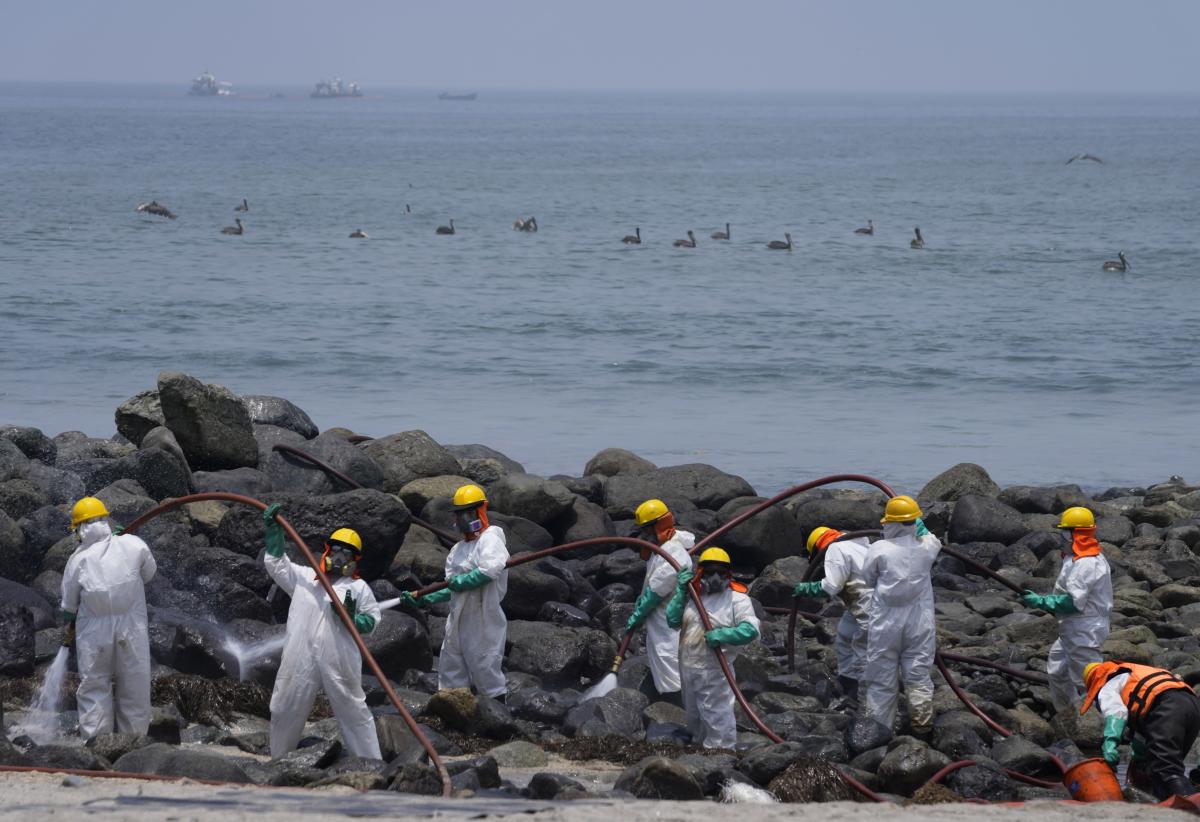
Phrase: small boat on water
x=206 y=85
x=336 y=88
x=445 y=95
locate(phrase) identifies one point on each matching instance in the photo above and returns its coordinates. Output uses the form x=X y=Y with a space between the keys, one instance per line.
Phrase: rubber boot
x=1176 y=786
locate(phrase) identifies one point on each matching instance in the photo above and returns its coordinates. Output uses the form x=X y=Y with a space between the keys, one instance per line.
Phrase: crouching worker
x=104 y=603
x=1158 y=709
x=707 y=697
x=476 y=581
x=319 y=652
x=843 y=561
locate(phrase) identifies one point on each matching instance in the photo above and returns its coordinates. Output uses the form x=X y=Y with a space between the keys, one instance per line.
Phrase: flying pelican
x=1120 y=264
x=1091 y=157
x=870 y=229
x=690 y=242
x=154 y=207
x=780 y=245
x=446 y=229
x=919 y=241
x=721 y=235
x=245 y=206
x=358 y=234
x=238 y=229
x=633 y=239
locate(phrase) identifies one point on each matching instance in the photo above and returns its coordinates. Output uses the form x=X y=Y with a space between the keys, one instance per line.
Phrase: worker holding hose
x=707 y=696
x=901 y=637
x=104 y=603
x=319 y=653
x=1158 y=709
x=1082 y=599
x=655 y=523
x=843 y=561
x=476 y=581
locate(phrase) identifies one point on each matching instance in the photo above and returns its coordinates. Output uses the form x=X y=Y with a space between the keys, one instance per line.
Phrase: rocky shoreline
x=212 y=599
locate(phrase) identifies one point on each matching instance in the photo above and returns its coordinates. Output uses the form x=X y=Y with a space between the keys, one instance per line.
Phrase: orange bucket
x=1093 y=781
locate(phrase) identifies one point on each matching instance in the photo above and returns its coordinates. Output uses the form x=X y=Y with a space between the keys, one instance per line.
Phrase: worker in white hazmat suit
x=1082 y=599
x=707 y=698
x=843 y=561
x=901 y=638
x=655 y=523
x=319 y=652
x=104 y=603
x=476 y=581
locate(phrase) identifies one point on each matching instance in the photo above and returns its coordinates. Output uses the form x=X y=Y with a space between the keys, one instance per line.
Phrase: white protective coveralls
x=320 y=653
x=707 y=697
x=104 y=586
x=1089 y=582
x=473 y=650
x=662 y=641
x=844 y=561
x=901 y=638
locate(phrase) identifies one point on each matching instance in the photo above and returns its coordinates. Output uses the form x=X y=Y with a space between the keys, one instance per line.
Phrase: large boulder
x=529 y=497
x=158 y=471
x=476 y=452
x=844 y=510
x=73 y=446
x=409 y=455
x=657 y=777
x=617 y=712
x=209 y=421
x=529 y=588
x=908 y=766
x=168 y=760
x=957 y=482
x=282 y=413
x=62 y=487
x=556 y=654
x=249 y=482
x=16 y=558
x=32 y=442
x=623 y=493
x=613 y=461
x=291 y=473
x=12 y=460
x=19 y=497
x=44 y=611
x=419 y=492
x=399 y=643
x=985 y=519
x=44 y=527
x=138 y=415
x=1043 y=499
x=380 y=519
x=769 y=535
x=17 y=641
x=583 y=520
x=703 y=485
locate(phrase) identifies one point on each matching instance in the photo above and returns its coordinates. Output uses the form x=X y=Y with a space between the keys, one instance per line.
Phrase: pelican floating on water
x=1119 y=264
x=156 y=208
x=358 y=234
x=721 y=235
x=529 y=225
x=1091 y=157
x=870 y=229
x=245 y=206
x=633 y=239
x=690 y=242
x=446 y=229
x=780 y=245
x=234 y=229
x=918 y=241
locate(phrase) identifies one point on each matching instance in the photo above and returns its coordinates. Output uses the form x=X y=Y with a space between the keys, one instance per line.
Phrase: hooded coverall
x=473 y=650
x=901 y=638
x=104 y=587
x=662 y=641
x=1086 y=577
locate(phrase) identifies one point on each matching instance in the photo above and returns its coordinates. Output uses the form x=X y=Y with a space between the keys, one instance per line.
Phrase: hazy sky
x=837 y=45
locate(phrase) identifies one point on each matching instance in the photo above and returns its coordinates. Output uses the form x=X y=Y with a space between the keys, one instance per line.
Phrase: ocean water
x=1001 y=342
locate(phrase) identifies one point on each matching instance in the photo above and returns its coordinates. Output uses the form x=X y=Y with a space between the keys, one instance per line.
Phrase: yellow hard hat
x=347 y=536
x=901 y=509
x=1087 y=671
x=469 y=496
x=714 y=554
x=649 y=511
x=87 y=508
x=1077 y=518
x=816 y=534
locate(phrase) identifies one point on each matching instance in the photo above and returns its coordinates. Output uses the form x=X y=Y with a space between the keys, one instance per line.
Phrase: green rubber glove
x=1114 y=728
x=645 y=606
x=118 y=529
x=468 y=581
x=68 y=616
x=678 y=601
x=440 y=595
x=364 y=623
x=406 y=598
x=275 y=538
x=348 y=603
x=809 y=589
x=739 y=634
x=922 y=531
x=1050 y=603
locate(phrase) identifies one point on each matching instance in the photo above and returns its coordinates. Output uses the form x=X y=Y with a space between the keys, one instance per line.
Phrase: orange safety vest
x=1145 y=684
